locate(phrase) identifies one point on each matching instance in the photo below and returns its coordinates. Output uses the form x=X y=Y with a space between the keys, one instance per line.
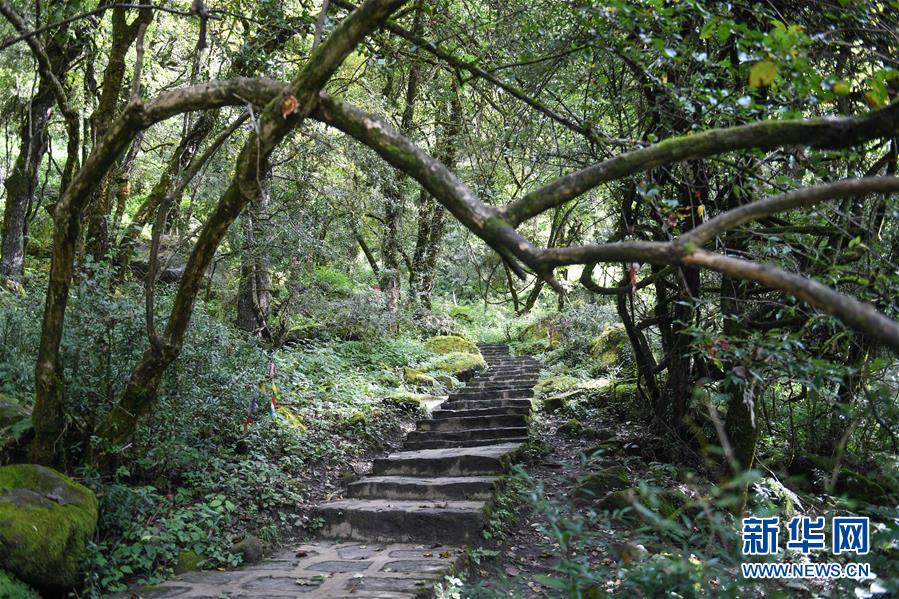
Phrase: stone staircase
x=435 y=490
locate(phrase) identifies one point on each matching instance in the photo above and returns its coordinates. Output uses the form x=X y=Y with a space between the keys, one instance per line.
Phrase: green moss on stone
x=555 y=384
x=572 y=428
x=444 y=344
x=46 y=519
x=406 y=402
x=598 y=484
x=188 y=561
x=417 y=377
x=859 y=487
x=611 y=348
x=13 y=588
x=459 y=364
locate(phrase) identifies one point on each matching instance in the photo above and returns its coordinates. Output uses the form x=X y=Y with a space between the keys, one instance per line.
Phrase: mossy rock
x=357 y=420
x=406 y=402
x=599 y=484
x=769 y=492
x=250 y=549
x=444 y=344
x=461 y=365
x=13 y=588
x=555 y=384
x=417 y=377
x=665 y=503
x=858 y=487
x=541 y=331
x=619 y=500
x=559 y=401
x=46 y=520
x=188 y=561
x=462 y=314
x=611 y=349
x=15 y=424
x=572 y=428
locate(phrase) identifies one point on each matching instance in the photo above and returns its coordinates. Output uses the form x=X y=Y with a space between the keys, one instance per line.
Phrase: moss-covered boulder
x=664 y=503
x=13 y=588
x=858 y=487
x=250 y=549
x=15 y=425
x=46 y=520
x=770 y=493
x=542 y=331
x=611 y=349
x=559 y=401
x=417 y=377
x=555 y=384
x=444 y=344
x=619 y=500
x=409 y=403
x=461 y=365
x=597 y=485
x=571 y=428
x=188 y=561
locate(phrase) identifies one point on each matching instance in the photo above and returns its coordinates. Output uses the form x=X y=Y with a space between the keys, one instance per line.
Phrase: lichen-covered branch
x=826 y=132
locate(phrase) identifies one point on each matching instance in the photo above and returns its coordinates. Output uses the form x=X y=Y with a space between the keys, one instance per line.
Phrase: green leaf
x=549 y=581
x=762 y=74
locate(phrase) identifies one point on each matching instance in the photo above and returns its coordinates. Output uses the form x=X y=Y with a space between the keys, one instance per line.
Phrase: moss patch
x=13 y=588
x=188 y=561
x=46 y=519
x=598 y=484
x=444 y=344
x=572 y=428
x=611 y=348
x=459 y=364
x=555 y=384
x=417 y=377
x=406 y=402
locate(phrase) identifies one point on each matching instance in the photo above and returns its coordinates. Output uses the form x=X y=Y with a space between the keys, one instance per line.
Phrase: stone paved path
x=411 y=518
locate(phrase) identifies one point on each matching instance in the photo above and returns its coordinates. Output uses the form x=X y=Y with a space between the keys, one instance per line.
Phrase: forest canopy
x=685 y=209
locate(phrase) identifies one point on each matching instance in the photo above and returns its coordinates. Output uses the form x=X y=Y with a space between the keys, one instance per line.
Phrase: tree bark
x=431 y=214
x=255 y=287
x=21 y=182
x=123 y=36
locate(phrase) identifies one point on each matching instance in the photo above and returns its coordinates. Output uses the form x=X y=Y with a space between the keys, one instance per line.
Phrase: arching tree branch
x=826 y=133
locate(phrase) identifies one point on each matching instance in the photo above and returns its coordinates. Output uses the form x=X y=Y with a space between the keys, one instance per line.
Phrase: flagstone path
x=401 y=529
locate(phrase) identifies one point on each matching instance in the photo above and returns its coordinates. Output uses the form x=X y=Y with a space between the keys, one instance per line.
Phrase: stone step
x=466 y=423
x=518 y=381
x=497 y=411
x=395 y=520
x=508 y=370
x=464 y=461
x=475 y=434
x=436 y=443
x=514 y=393
x=468 y=404
x=407 y=487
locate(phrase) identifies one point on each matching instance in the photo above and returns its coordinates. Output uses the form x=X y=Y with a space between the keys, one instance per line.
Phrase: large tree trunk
x=123 y=36
x=393 y=192
x=255 y=289
x=21 y=182
x=431 y=214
